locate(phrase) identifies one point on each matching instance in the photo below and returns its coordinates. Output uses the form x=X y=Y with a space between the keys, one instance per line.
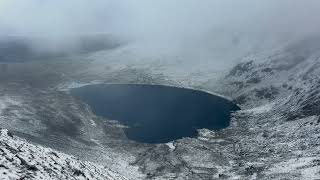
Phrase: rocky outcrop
x=21 y=160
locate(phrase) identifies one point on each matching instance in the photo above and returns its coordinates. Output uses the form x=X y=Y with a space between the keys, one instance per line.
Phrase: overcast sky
x=161 y=19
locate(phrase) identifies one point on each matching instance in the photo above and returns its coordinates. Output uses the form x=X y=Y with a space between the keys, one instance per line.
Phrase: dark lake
x=157 y=114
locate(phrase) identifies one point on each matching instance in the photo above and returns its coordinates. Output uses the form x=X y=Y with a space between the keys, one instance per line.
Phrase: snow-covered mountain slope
x=57 y=120
x=277 y=133
x=289 y=78
x=274 y=136
x=21 y=160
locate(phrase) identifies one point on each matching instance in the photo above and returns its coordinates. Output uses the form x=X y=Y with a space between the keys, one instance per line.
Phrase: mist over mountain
x=168 y=89
x=170 y=24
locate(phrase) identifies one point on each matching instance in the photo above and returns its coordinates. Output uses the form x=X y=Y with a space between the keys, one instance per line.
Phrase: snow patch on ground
x=306 y=166
x=171 y=146
x=92 y=122
x=6 y=101
x=74 y=84
x=261 y=109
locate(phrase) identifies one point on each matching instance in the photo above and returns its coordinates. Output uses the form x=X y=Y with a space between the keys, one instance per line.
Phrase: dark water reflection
x=157 y=114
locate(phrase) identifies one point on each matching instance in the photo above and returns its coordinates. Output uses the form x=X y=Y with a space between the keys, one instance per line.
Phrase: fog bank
x=169 y=23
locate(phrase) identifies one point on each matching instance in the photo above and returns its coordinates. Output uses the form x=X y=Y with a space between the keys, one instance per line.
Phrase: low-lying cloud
x=165 y=21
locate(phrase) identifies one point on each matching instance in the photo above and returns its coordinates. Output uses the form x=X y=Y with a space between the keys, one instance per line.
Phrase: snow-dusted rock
x=21 y=160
